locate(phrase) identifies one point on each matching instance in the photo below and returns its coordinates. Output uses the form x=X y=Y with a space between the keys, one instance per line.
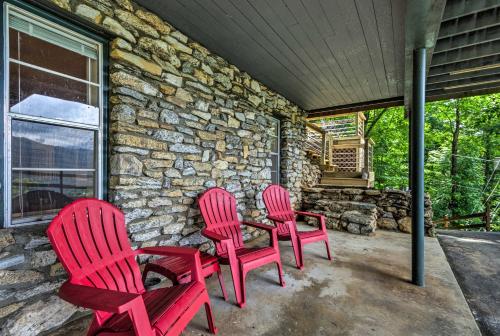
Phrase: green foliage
x=478 y=146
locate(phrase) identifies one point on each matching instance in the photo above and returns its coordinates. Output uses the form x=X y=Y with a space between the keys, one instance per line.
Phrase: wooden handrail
x=456 y=218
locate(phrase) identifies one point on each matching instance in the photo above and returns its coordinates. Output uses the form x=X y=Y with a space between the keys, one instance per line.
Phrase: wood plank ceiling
x=466 y=59
x=317 y=53
x=332 y=56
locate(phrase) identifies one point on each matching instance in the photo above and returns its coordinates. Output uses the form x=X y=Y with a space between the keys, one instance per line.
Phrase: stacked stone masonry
x=362 y=211
x=181 y=120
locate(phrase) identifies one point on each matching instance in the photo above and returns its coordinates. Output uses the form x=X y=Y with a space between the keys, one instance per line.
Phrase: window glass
x=52 y=50
x=37 y=145
x=39 y=195
x=274 y=138
x=53 y=118
x=39 y=93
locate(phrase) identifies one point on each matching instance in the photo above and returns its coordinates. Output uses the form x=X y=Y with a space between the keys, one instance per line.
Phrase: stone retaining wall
x=362 y=211
x=181 y=120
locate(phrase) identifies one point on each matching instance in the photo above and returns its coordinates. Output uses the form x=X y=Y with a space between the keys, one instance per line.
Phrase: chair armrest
x=214 y=236
x=191 y=255
x=99 y=299
x=276 y=219
x=259 y=226
x=320 y=217
x=273 y=232
x=186 y=252
x=309 y=214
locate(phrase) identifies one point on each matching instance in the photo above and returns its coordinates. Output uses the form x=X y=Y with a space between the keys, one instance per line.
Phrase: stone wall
x=362 y=211
x=181 y=120
x=311 y=172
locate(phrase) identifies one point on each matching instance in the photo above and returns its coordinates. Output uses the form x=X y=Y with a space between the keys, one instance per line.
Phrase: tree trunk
x=453 y=205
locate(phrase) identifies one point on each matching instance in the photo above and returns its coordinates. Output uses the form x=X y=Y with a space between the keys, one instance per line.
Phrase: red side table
x=176 y=269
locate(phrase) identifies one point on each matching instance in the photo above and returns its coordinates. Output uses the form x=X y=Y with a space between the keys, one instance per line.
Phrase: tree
x=461 y=143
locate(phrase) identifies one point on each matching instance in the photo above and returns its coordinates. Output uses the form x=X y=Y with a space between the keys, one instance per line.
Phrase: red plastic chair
x=90 y=239
x=218 y=208
x=277 y=201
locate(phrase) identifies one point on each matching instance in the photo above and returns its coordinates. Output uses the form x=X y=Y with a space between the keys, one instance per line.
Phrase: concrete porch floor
x=364 y=291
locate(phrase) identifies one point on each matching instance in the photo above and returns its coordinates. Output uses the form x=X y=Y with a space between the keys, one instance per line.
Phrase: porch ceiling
x=317 y=53
x=334 y=56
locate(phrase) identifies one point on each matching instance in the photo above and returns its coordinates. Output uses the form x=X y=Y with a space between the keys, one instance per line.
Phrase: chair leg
x=296 y=251
x=328 y=249
x=301 y=254
x=243 y=301
x=145 y=273
x=210 y=319
x=222 y=285
x=280 y=273
x=235 y=274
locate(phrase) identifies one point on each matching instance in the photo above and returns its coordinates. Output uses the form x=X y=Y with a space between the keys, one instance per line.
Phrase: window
x=53 y=117
x=274 y=134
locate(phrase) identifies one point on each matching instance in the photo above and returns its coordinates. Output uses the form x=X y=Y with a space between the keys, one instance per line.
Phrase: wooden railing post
x=323 y=148
x=446 y=222
x=330 y=150
x=487 y=217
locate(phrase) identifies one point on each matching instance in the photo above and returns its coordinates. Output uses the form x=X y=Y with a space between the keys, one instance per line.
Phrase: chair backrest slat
x=277 y=201
x=90 y=239
x=218 y=209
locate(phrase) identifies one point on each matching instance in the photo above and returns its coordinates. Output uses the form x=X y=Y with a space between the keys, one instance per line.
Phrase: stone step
x=344 y=182
x=339 y=174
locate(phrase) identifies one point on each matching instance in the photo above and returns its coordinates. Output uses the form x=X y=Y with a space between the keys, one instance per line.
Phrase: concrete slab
x=474 y=258
x=364 y=291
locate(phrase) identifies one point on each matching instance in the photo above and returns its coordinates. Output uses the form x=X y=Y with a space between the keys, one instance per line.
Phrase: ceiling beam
x=447 y=77
x=467 y=53
x=461 y=93
x=458 y=8
x=364 y=106
x=437 y=70
x=468 y=39
x=463 y=81
x=469 y=23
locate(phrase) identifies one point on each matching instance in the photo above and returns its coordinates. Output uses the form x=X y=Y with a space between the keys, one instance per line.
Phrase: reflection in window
x=54 y=118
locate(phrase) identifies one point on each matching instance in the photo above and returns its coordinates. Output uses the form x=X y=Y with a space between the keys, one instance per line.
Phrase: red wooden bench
x=178 y=271
x=218 y=208
x=90 y=239
x=277 y=201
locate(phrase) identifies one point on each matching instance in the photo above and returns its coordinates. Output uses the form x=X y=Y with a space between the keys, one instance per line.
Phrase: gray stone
x=123 y=112
x=36 y=241
x=40 y=316
x=194 y=239
x=11 y=260
x=180 y=148
x=125 y=164
x=151 y=222
x=43 y=258
x=40 y=289
x=144 y=236
x=169 y=136
x=169 y=117
x=115 y=27
x=137 y=213
x=19 y=277
x=175 y=228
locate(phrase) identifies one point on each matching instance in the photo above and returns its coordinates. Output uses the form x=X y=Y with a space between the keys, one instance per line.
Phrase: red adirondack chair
x=277 y=201
x=218 y=208
x=90 y=239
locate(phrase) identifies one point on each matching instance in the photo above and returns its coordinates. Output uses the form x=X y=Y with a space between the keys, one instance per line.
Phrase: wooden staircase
x=345 y=179
x=345 y=155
